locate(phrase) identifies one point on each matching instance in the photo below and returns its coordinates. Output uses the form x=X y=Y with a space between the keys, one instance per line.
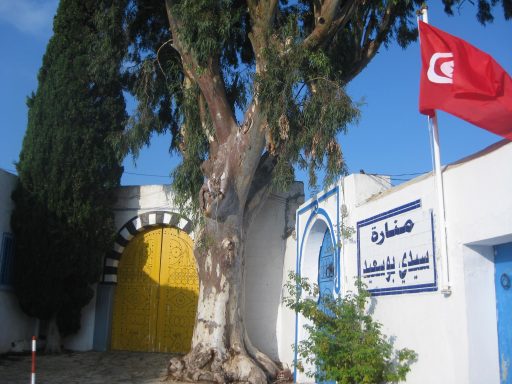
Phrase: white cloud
x=29 y=16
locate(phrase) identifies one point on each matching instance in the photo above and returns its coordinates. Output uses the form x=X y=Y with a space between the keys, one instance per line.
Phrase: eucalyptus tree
x=62 y=221
x=249 y=90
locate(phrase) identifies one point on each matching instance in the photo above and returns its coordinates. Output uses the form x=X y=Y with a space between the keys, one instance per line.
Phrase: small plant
x=345 y=344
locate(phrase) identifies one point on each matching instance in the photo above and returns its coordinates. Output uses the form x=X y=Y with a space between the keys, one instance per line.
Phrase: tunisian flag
x=462 y=80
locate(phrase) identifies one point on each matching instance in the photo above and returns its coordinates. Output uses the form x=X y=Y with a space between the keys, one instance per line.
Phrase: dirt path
x=87 y=368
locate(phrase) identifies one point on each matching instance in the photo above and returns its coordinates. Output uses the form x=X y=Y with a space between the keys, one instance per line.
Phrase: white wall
x=265 y=252
x=455 y=336
x=478 y=210
x=265 y=268
x=266 y=247
x=14 y=324
x=137 y=199
x=429 y=323
x=286 y=317
x=481 y=314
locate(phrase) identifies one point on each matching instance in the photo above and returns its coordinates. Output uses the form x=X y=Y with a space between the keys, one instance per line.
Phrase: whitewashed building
x=459 y=321
x=154 y=248
x=140 y=213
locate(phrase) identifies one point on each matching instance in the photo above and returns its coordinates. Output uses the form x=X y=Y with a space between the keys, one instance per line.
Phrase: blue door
x=502 y=280
x=326 y=273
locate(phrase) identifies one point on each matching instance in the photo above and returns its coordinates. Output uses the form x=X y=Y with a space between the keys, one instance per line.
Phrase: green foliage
x=210 y=27
x=484 y=8
x=344 y=344
x=155 y=77
x=187 y=176
x=301 y=90
x=305 y=106
x=63 y=221
x=300 y=85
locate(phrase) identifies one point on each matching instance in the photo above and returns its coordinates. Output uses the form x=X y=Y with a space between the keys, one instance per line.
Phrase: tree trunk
x=231 y=195
x=221 y=351
x=53 y=339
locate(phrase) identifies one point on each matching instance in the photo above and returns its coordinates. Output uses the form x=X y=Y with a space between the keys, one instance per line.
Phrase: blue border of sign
x=316 y=211
x=430 y=287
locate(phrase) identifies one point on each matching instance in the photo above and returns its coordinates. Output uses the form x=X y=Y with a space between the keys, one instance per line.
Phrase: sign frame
x=414 y=206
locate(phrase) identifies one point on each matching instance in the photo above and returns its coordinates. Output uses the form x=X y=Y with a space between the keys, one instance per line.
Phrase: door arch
x=318 y=234
x=155 y=302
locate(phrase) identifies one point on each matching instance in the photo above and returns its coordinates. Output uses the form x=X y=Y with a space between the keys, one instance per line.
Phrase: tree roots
x=210 y=365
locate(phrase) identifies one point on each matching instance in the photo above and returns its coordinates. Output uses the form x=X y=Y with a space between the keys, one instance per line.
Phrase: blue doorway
x=326 y=266
x=503 y=282
x=326 y=274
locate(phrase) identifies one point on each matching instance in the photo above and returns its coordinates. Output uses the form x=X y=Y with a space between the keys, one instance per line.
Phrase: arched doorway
x=318 y=260
x=155 y=301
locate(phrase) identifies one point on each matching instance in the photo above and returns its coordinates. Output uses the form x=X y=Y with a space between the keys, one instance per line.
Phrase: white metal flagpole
x=445 y=273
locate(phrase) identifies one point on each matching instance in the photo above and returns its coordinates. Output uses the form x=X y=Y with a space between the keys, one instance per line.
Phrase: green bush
x=345 y=344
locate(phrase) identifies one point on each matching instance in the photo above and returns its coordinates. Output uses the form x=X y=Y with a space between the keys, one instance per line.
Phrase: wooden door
x=156 y=296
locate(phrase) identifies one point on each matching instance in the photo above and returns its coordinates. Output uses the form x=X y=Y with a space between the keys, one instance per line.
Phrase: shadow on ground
x=87 y=368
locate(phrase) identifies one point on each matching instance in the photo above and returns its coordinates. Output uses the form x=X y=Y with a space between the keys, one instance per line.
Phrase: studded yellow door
x=156 y=295
x=179 y=287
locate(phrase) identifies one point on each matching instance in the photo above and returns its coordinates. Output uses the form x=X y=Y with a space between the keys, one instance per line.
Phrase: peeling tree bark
x=221 y=350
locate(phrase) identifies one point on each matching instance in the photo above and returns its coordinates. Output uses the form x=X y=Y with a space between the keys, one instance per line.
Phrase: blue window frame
x=6 y=259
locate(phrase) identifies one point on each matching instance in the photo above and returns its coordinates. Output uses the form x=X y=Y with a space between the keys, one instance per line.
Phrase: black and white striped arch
x=132 y=228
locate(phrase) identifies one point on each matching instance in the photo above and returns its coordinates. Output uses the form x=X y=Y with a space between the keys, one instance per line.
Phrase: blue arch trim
x=316 y=211
x=314 y=215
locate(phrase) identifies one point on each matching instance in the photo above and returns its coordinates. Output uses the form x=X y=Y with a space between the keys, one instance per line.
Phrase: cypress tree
x=67 y=169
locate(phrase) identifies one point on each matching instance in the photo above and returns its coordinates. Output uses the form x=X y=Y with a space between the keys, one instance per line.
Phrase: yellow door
x=156 y=296
x=179 y=287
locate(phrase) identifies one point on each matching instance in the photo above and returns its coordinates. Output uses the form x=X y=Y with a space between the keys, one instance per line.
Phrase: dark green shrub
x=345 y=343
x=63 y=220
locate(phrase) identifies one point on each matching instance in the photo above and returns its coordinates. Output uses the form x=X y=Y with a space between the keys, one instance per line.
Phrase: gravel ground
x=86 y=368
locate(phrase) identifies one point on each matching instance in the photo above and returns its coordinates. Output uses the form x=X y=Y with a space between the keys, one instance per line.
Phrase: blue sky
x=390 y=138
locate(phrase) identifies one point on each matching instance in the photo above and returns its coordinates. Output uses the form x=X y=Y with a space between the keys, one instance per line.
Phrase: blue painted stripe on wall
x=318 y=200
x=390 y=213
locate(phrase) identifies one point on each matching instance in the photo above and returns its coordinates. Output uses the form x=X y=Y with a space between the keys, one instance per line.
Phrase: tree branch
x=368 y=46
x=262 y=14
x=329 y=19
x=209 y=79
x=157 y=59
x=203 y=116
x=254 y=127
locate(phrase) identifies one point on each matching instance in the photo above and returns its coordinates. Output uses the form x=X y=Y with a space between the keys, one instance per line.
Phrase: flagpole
x=445 y=273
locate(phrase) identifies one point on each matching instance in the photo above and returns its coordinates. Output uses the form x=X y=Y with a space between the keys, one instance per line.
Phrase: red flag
x=462 y=80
